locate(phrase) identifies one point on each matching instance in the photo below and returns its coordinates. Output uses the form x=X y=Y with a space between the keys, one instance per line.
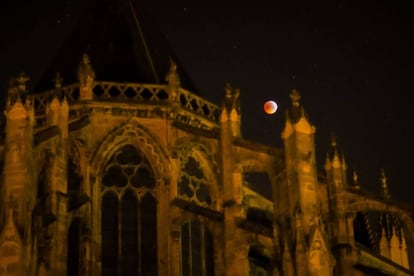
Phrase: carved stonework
x=86 y=74
x=86 y=77
x=10 y=242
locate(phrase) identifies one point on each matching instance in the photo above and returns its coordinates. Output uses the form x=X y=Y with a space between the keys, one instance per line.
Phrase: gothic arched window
x=129 y=215
x=192 y=184
x=197 y=251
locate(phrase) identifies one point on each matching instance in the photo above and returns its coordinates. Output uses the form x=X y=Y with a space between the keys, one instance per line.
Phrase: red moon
x=270 y=107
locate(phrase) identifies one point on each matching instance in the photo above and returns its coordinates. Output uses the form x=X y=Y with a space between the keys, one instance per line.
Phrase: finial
x=236 y=100
x=355 y=179
x=383 y=180
x=12 y=89
x=58 y=81
x=172 y=76
x=228 y=90
x=384 y=185
x=333 y=140
x=295 y=97
x=21 y=81
x=86 y=74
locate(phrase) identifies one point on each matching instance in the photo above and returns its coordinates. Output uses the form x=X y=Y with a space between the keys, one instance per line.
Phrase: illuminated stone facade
x=116 y=178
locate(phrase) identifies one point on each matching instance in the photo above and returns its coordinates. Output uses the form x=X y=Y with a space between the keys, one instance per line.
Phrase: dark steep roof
x=123 y=44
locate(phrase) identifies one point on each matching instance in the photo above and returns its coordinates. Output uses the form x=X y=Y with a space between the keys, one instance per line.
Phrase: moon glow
x=270 y=107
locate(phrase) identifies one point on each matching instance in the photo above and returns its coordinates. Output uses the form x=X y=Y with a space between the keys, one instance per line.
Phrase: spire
x=384 y=244
x=404 y=254
x=17 y=87
x=21 y=82
x=384 y=186
x=297 y=110
x=333 y=140
x=395 y=253
x=295 y=97
x=58 y=81
x=336 y=160
x=355 y=180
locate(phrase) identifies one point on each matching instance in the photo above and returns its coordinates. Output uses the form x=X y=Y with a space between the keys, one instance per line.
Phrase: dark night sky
x=352 y=63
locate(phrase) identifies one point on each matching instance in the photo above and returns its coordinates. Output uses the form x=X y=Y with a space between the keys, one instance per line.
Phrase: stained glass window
x=129 y=215
x=197 y=251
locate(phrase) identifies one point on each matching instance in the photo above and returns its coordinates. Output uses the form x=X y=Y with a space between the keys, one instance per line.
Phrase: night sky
x=352 y=64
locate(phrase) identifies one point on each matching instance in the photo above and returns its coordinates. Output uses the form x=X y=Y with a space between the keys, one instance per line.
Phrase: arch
x=367 y=205
x=197 y=165
x=136 y=134
x=254 y=175
x=129 y=205
x=75 y=146
x=252 y=165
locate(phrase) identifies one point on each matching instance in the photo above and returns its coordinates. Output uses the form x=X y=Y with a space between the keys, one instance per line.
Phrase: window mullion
x=203 y=251
x=139 y=237
x=119 y=236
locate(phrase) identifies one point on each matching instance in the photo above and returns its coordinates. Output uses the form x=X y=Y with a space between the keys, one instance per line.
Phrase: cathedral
x=114 y=164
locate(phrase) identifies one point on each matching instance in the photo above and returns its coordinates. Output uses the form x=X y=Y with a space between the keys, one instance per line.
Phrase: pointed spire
x=395 y=247
x=297 y=110
x=384 y=244
x=295 y=97
x=21 y=81
x=403 y=250
x=333 y=140
x=336 y=161
x=228 y=89
x=355 y=180
x=384 y=186
x=17 y=87
x=58 y=81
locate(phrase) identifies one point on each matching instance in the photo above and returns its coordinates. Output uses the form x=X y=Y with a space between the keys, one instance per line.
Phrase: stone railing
x=129 y=93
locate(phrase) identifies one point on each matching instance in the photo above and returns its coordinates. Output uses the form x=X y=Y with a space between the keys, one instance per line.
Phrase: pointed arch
x=366 y=204
x=135 y=134
x=197 y=174
x=129 y=213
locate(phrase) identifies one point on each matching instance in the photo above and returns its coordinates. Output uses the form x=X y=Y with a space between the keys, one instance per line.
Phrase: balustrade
x=129 y=93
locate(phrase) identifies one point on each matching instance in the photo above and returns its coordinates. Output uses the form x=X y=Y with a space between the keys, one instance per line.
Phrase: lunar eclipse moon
x=270 y=107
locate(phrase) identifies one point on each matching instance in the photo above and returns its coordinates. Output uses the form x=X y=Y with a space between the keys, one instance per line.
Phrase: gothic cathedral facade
x=107 y=176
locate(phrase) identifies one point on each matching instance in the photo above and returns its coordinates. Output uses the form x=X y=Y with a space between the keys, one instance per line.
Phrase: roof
x=123 y=43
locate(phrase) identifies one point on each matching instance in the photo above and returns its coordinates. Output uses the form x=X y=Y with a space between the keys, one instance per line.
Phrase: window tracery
x=193 y=184
x=129 y=215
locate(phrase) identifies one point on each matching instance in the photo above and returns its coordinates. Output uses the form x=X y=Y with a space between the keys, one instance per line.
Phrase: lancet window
x=129 y=215
x=197 y=251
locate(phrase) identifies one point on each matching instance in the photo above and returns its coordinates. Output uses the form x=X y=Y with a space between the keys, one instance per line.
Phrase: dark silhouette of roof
x=123 y=43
